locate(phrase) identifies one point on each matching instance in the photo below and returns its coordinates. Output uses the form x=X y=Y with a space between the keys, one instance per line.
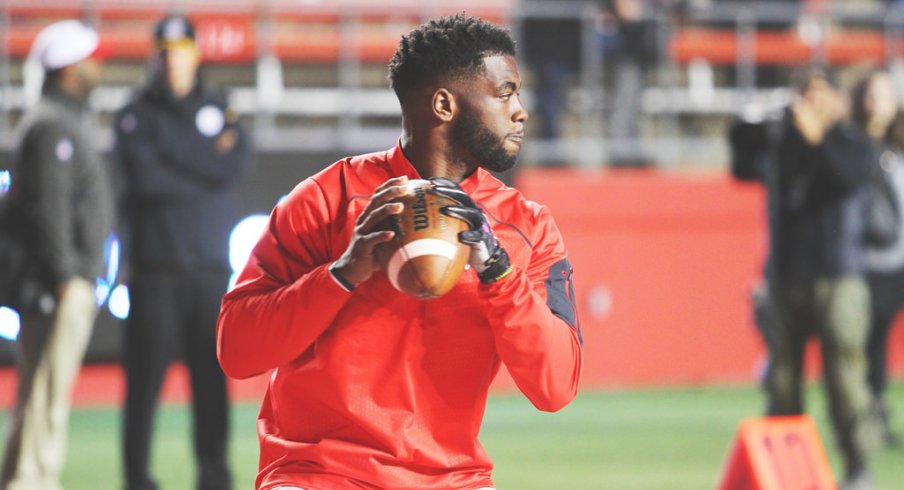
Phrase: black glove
x=488 y=257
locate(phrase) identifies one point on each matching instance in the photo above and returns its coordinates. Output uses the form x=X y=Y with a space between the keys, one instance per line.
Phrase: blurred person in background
x=875 y=111
x=748 y=141
x=559 y=37
x=553 y=50
x=819 y=172
x=631 y=51
x=67 y=205
x=182 y=154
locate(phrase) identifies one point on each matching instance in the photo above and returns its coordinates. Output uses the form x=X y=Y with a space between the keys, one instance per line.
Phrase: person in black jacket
x=65 y=201
x=182 y=153
x=816 y=179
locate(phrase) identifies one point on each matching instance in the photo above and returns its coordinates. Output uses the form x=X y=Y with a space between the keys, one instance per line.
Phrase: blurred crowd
x=609 y=82
x=178 y=156
x=831 y=163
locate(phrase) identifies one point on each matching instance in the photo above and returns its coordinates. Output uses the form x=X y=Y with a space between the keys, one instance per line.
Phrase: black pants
x=173 y=312
x=887 y=293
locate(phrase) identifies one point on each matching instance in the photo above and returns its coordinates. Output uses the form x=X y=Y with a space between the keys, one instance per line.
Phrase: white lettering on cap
x=128 y=123
x=174 y=29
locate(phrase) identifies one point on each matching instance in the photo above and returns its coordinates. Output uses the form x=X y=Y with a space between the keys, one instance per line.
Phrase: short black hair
x=453 y=46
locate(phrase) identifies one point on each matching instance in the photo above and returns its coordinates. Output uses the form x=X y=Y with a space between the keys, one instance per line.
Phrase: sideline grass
x=665 y=439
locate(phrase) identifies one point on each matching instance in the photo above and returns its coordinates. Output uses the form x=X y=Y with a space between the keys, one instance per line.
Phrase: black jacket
x=177 y=188
x=816 y=198
x=66 y=195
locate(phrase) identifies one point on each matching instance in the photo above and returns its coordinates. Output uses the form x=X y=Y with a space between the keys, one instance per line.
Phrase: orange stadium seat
x=720 y=46
x=309 y=32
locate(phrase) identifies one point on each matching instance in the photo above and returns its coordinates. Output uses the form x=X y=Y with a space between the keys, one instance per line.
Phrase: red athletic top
x=377 y=389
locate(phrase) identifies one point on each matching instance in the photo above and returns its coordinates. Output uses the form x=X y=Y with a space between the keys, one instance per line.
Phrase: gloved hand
x=488 y=257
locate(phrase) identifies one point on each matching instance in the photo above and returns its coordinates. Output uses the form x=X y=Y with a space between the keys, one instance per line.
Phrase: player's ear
x=444 y=105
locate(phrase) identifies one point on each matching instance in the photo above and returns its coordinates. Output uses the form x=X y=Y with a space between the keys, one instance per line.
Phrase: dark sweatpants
x=887 y=294
x=175 y=313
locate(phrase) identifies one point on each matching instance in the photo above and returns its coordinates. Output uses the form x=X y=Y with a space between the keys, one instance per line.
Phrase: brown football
x=425 y=258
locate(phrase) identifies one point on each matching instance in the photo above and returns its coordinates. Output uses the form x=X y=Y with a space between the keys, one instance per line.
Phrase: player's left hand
x=488 y=257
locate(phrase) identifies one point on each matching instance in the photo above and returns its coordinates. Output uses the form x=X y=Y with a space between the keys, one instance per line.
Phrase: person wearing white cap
x=66 y=201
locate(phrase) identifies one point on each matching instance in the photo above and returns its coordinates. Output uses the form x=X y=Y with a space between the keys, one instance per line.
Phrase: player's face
x=181 y=65
x=490 y=124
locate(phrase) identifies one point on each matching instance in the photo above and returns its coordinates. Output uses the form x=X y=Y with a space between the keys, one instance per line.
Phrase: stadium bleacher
x=327 y=59
x=311 y=74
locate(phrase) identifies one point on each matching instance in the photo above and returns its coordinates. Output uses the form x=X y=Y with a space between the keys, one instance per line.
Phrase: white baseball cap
x=64 y=43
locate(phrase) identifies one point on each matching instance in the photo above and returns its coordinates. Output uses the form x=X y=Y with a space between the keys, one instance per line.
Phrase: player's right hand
x=488 y=257
x=358 y=263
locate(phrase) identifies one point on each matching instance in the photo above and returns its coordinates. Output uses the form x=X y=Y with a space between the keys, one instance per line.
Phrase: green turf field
x=668 y=439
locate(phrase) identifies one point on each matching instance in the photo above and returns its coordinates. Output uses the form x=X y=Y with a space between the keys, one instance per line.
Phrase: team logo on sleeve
x=210 y=120
x=64 y=150
x=128 y=123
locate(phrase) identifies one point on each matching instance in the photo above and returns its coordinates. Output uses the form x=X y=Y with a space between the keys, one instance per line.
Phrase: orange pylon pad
x=777 y=453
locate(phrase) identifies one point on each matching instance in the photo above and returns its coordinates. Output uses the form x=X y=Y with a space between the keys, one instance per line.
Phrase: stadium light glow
x=243 y=238
x=120 y=304
x=101 y=291
x=111 y=258
x=9 y=323
x=5 y=181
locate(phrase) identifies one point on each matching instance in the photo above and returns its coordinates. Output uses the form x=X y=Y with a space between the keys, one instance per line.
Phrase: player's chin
x=513 y=146
x=502 y=164
x=513 y=157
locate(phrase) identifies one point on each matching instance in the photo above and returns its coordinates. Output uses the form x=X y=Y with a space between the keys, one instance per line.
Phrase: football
x=425 y=258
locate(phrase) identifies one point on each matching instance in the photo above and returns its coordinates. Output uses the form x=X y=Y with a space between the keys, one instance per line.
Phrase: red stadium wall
x=664 y=264
x=663 y=268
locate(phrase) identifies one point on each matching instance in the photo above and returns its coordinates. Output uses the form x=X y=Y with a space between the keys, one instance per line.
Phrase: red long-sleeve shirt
x=376 y=389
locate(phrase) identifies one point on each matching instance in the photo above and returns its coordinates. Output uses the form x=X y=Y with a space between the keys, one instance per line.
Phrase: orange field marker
x=777 y=453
